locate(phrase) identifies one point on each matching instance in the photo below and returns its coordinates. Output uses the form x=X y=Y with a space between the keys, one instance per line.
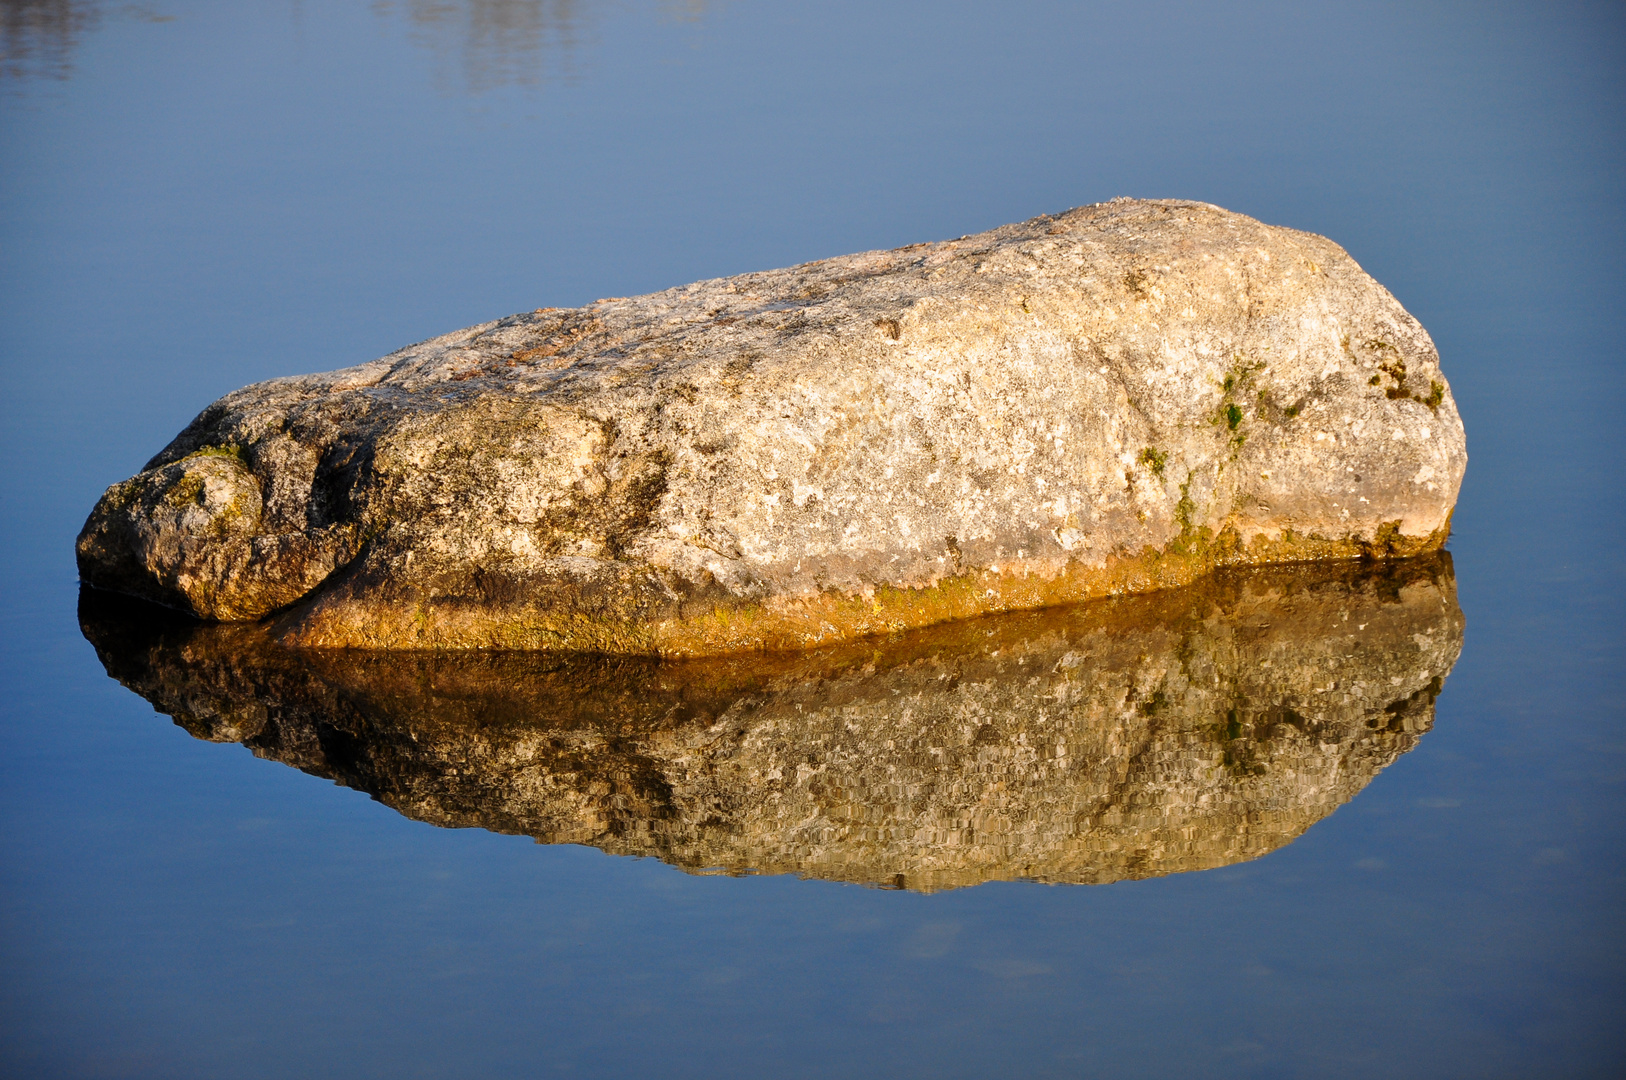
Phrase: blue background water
x=194 y=196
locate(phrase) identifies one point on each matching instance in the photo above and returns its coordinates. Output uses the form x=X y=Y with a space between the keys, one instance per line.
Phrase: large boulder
x=1114 y=399
x=1125 y=738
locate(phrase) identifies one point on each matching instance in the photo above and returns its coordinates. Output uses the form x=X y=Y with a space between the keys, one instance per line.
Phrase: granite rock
x=1114 y=399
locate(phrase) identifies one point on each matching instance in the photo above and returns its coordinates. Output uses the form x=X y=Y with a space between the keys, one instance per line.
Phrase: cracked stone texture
x=1114 y=399
x=1124 y=738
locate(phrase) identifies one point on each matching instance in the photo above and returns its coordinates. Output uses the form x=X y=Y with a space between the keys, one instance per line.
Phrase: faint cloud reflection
x=1009 y=967
x=934 y=939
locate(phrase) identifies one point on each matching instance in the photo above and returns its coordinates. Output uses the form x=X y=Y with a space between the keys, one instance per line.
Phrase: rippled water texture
x=1348 y=820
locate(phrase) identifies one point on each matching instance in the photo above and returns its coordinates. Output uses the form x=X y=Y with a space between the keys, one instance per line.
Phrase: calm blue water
x=195 y=196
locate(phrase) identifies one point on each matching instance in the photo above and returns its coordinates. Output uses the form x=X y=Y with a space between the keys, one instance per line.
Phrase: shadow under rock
x=1119 y=739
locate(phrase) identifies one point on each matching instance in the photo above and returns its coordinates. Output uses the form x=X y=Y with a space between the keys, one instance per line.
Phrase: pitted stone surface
x=1113 y=399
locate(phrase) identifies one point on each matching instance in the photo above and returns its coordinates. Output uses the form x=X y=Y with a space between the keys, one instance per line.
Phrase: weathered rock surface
x=1123 y=738
x=1114 y=399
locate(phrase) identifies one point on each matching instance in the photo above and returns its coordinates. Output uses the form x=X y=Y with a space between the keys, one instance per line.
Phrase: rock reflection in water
x=1120 y=739
x=510 y=42
x=38 y=37
x=501 y=42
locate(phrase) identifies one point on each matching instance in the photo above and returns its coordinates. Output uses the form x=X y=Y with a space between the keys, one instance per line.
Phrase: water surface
x=1419 y=881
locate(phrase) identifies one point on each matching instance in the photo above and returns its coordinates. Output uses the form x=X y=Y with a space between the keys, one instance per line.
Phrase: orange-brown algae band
x=829 y=617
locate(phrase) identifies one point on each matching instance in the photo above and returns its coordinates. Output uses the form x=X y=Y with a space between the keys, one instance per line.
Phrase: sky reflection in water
x=196 y=196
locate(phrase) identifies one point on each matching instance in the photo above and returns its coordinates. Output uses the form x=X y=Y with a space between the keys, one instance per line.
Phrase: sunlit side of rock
x=1120 y=739
x=1114 y=399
